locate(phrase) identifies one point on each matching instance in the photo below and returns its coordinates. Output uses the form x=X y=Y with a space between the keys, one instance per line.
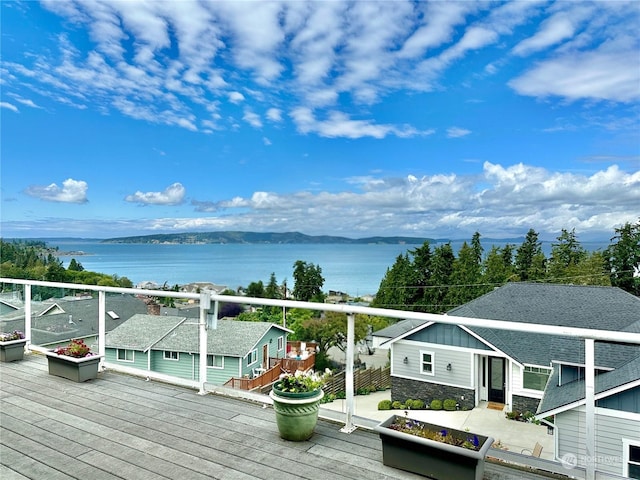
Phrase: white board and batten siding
x=461 y=361
x=612 y=429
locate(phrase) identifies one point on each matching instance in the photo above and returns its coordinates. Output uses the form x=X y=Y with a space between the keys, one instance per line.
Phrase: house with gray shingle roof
x=533 y=371
x=169 y=345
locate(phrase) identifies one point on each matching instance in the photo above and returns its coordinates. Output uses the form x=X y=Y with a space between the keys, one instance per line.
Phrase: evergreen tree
x=566 y=255
x=530 y=258
x=394 y=290
x=441 y=271
x=465 y=277
x=623 y=258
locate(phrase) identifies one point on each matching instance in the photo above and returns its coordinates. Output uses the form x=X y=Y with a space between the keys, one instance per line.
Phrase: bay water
x=353 y=269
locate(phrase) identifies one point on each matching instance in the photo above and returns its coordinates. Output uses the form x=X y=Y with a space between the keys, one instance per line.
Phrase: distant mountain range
x=267 y=237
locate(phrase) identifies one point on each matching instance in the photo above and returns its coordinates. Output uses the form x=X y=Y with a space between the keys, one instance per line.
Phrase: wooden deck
x=123 y=427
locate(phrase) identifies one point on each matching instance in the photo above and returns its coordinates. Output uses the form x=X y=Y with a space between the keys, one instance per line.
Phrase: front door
x=496 y=379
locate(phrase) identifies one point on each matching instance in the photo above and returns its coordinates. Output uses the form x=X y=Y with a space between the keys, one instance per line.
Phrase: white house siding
x=461 y=360
x=611 y=428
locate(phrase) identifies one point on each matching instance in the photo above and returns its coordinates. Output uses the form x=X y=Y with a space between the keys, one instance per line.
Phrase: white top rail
x=575 y=332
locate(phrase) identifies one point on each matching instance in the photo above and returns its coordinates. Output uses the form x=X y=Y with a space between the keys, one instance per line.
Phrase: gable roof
x=399 y=328
x=230 y=338
x=570 y=395
x=603 y=308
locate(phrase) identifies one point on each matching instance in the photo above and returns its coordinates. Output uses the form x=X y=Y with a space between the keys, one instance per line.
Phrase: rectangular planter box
x=75 y=369
x=430 y=458
x=12 y=350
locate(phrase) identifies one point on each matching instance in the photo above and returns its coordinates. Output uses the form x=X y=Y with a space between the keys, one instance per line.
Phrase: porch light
x=449 y=367
x=406 y=360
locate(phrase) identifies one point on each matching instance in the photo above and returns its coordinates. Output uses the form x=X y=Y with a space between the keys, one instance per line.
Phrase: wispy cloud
x=72 y=191
x=457 y=132
x=167 y=62
x=9 y=106
x=172 y=195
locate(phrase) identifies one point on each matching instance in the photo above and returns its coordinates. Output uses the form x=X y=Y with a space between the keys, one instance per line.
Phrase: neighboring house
x=170 y=345
x=436 y=360
x=617 y=418
x=381 y=337
x=532 y=371
x=58 y=320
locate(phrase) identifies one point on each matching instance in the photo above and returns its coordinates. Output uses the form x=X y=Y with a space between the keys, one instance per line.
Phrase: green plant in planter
x=436 y=404
x=419 y=429
x=384 y=405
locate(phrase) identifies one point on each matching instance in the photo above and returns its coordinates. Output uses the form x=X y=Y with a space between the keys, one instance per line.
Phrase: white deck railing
x=208 y=303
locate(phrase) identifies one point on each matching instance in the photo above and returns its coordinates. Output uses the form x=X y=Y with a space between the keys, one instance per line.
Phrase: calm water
x=355 y=269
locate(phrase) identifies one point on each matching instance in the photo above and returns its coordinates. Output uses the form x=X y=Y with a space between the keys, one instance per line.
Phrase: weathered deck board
x=119 y=426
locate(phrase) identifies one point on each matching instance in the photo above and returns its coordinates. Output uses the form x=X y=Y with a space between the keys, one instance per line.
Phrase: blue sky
x=428 y=119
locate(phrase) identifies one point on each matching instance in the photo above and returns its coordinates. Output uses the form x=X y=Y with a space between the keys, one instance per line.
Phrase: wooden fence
x=380 y=378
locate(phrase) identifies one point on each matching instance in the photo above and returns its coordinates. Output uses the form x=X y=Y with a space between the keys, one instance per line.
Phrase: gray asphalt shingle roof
x=398 y=328
x=604 y=308
x=180 y=334
x=559 y=396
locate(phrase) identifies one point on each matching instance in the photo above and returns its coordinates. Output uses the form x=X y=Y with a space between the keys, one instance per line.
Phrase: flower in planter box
x=15 y=335
x=417 y=428
x=77 y=349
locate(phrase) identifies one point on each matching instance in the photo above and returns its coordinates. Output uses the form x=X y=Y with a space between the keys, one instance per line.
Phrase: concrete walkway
x=517 y=437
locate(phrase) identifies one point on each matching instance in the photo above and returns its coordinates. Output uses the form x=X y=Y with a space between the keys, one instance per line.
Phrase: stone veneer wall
x=404 y=388
x=524 y=404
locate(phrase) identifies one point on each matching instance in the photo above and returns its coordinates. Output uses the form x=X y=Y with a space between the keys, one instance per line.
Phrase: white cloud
x=9 y=106
x=457 y=132
x=72 y=191
x=172 y=195
x=339 y=125
x=236 y=97
x=501 y=201
x=274 y=114
x=596 y=75
x=252 y=118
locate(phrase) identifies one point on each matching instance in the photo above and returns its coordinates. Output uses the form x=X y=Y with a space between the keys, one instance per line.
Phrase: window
x=168 y=355
x=280 y=343
x=535 y=378
x=124 y=355
x=427 y=362
x=631 y=458
x=252 y=357
x=215 y=361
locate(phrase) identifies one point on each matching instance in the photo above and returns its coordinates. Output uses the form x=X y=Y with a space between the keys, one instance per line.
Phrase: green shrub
x=384 y=405
x=341 y=395
x=397 y=405
x=328 y=398
x=418 y=405
x=408 y=403
x=363 y=391
x=436 y=404
x=449 y=404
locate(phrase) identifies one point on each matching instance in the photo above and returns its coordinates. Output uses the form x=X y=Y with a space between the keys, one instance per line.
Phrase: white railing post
x=349 y=387
x=590 y=408
x=27 y=313
x=205 y=305
x=102 y=327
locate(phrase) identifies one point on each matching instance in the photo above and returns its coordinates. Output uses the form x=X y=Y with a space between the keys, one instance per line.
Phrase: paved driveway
x=515 y=436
